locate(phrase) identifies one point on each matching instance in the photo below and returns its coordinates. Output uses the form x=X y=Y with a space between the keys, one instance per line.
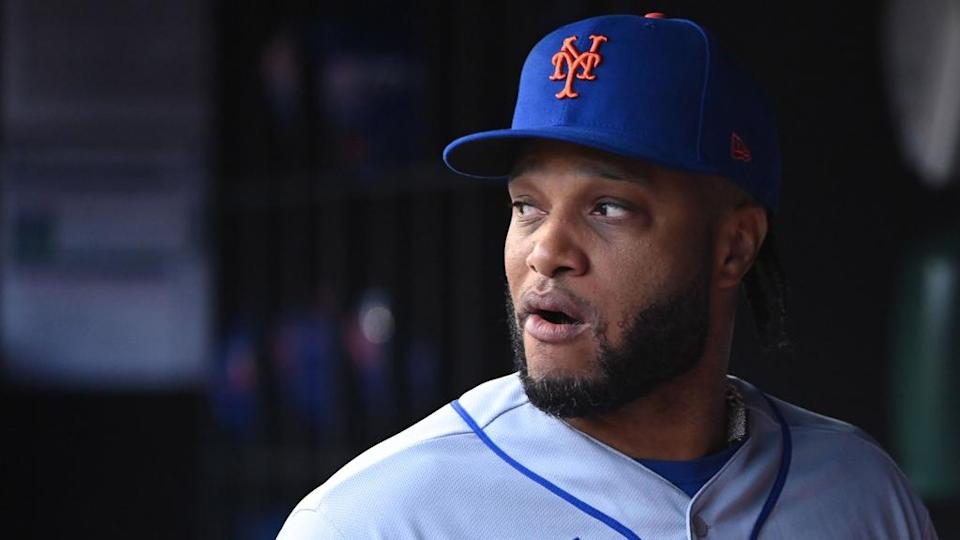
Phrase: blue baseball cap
x=649 y=88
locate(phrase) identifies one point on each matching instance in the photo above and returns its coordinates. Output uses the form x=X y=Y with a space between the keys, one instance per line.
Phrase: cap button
x=655 y=15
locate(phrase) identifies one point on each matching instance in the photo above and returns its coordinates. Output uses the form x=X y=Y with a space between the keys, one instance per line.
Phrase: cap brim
x=493 y=154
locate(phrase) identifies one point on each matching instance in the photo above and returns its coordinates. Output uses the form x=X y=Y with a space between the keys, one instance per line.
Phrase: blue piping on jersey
x=786 y=454
x=553 y=488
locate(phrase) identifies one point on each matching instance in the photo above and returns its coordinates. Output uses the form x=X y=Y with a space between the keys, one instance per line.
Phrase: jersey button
x=700 y=527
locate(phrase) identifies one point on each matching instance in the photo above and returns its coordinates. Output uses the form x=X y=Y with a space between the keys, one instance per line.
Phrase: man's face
x=607 y=264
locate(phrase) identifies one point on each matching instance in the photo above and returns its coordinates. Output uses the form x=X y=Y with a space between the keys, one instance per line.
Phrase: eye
x=609 y=209
x=523 y=209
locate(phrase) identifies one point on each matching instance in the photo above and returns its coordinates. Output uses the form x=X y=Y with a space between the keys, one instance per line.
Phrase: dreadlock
x=765 y=287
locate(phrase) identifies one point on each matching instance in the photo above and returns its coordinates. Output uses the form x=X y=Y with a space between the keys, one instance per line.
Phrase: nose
x=556 y=250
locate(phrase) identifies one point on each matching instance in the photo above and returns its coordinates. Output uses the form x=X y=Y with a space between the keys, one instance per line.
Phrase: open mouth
x=557 y=317
x=554 y=317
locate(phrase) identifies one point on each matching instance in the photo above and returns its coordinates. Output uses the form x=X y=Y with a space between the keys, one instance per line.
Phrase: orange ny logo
x=573 y=60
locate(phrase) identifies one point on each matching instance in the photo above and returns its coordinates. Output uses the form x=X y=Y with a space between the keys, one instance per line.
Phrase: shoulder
x=419 y=467
x=819 y=436
x=811 y=431
x=838 y=466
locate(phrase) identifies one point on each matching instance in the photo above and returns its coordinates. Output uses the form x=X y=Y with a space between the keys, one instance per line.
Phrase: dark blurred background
x=232 y=259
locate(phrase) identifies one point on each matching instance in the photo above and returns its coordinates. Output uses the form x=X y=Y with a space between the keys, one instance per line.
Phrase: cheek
x=633 y=271
x=514 y=260
x=632 y=279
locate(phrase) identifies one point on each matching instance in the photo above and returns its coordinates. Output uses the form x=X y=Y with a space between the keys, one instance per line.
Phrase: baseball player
x=642 y=168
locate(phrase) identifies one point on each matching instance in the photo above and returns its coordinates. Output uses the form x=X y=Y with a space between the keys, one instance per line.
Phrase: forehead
x=702 y=194
x=551 y=157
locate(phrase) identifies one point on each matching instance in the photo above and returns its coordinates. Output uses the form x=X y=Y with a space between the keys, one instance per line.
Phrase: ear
x=740 y=233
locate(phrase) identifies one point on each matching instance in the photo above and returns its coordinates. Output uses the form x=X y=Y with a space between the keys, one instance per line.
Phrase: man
x=643 y=167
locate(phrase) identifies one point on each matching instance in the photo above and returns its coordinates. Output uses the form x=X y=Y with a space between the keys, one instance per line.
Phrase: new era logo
x=739 y=149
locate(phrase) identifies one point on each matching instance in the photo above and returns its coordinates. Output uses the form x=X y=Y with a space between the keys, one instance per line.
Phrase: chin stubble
x=661 y=342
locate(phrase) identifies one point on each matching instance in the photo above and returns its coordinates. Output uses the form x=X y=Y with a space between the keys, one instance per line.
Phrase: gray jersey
x=536 y=477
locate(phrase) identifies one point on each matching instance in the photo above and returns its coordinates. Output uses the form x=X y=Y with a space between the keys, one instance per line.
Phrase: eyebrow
x=590 y=168
x=521 y=168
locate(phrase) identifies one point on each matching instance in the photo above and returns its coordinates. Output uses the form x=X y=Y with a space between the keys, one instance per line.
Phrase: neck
x=682 y=420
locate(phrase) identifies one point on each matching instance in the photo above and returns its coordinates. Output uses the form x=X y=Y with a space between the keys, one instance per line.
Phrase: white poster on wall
x=105 y=279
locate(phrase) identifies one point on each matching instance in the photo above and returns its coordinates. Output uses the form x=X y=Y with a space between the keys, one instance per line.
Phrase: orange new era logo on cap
x=574 y=60
x=739 y=149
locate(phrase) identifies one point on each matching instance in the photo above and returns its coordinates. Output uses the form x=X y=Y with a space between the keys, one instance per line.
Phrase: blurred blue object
x=259 y=525
x=423 y=364
x=234 y=381
x=305 y=359
x=371 y=87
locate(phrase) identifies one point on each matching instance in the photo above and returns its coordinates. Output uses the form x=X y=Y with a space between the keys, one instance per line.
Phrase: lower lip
x=548 y=332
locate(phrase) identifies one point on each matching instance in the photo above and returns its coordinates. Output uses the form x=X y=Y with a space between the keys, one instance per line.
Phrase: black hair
x=765 y=287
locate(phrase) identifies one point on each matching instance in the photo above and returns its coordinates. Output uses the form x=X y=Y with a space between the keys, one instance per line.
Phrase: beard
x=661 y=342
